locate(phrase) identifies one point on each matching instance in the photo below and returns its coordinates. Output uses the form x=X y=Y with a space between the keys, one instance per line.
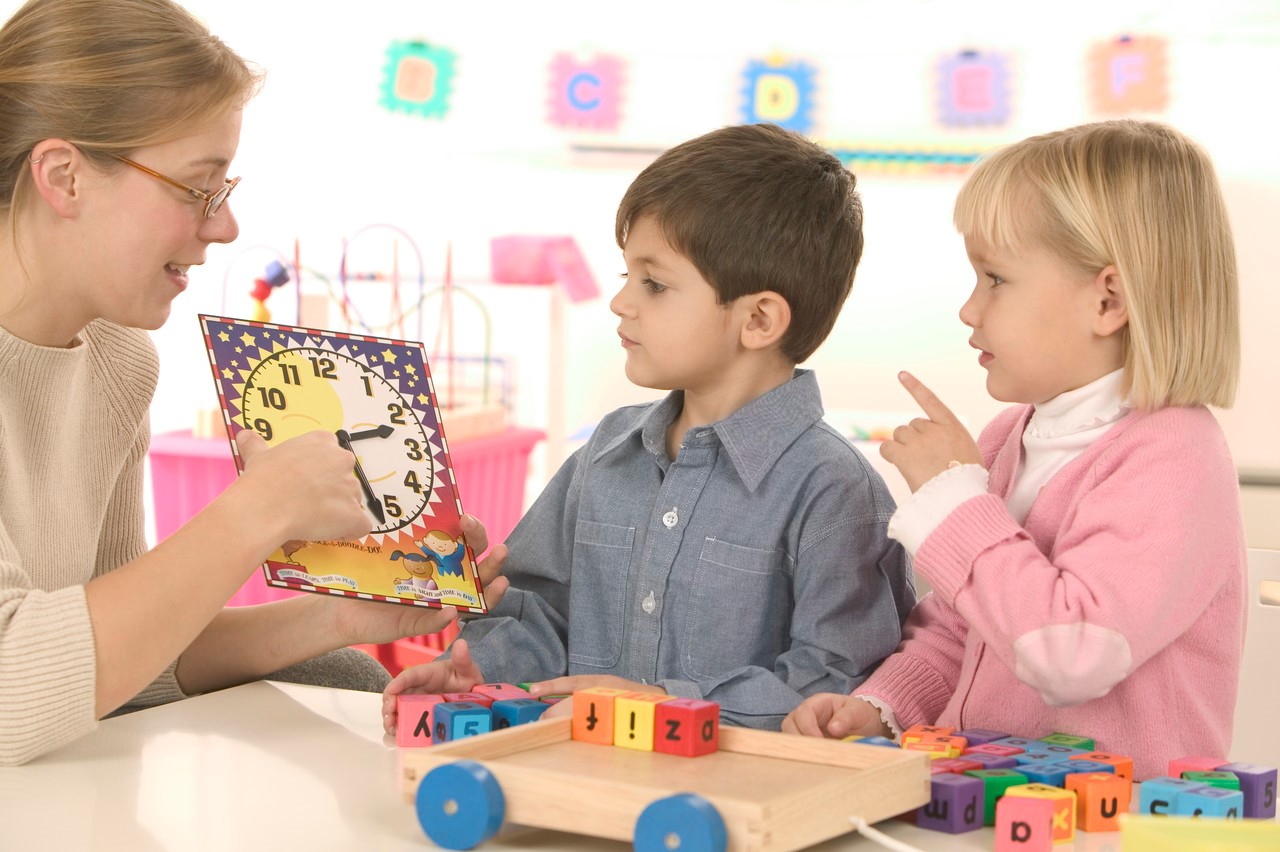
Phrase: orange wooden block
x=955 y=745
x=413 y=718
x=1100 y=799
x=593 y=714
x=687 y=726
x=915 y=732
x=935 y=750
x=1122 y=762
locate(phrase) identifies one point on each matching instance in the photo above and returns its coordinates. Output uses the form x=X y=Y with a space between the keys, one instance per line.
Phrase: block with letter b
x=687 y=726
x=413 y=719
x=593 y=714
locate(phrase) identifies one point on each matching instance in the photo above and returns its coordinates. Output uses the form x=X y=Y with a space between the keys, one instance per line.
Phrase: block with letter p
x=687 y=726
x=413 y=718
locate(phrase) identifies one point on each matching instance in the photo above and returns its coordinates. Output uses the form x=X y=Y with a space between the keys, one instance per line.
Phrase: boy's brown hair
x=755 y=207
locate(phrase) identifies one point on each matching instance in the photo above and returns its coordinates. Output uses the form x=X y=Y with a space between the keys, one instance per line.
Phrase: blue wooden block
x=877 y=741
x=1159 y=795
x=454 y=720
x=516 y=711
x=1079 y=765
x=1209 y=801
x=1258 y=784
x=1037 y=756
x=955 y=804
x=1049 y=774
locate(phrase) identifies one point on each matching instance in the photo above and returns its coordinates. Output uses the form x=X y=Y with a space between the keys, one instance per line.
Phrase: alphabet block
x=995 y=782
x=1258 y=784
x=413 y=719
x=1100 y=799
x=553 y=699
x=472 y=697
x=875 y=741
x=1024 y=743
x=516 y=711
x=980 y=736
x=1122 y=762
x=1193 y=764
x=455 y=720
x=1082 y=743
x=633 y=717
x=935 y=750
x=955 y=804
x=1209 y=801
x=687 y=726
x=989 y=761
x=1159 y=796
x=1080 y=765
x=915 y=732
x=1049 y=774
x=956 y=765
x=1064 y=807
x=500 y=691
x=1024 y=824
x=998 y=748
x=1225 y=780
x=593 y=714
x=955 y=745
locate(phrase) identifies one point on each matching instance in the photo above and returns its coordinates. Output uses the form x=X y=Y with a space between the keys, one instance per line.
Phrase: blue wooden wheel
x=460 y=805
x=683 y=822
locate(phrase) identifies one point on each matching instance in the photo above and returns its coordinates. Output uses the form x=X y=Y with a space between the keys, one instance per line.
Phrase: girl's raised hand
x=924 y=448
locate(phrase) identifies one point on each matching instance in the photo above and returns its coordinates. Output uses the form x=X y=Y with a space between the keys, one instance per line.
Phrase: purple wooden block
x=990 y=761
x=979 y=736
x=1258 y=784
x=955 y=804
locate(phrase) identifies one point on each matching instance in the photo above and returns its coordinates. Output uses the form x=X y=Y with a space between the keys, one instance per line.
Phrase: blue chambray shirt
x=753 y=570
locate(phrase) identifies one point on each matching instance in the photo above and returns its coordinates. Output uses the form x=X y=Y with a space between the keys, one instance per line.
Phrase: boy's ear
x=56 y=173
x=767 y=318
x=1111 y=309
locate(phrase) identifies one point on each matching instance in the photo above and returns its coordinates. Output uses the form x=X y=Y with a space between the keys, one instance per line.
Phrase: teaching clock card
x=376 y=396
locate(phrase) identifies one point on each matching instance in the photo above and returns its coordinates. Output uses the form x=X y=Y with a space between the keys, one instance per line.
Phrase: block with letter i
x=1024 y=824
x=1100 y=799
x=455 y=720
x=593 y=714
x=687 y=726
x=633 y=718
x=413 y=719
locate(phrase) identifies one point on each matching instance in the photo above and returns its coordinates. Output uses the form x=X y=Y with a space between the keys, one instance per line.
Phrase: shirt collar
x=1096 y=404
x=754 y=437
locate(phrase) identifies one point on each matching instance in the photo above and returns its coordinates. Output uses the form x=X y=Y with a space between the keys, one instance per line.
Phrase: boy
x=722 y=543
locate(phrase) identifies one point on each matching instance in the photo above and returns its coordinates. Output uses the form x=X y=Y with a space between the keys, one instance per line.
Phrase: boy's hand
x=829 y=715
x=456 y=674
x=568 y=684
x=922 y=449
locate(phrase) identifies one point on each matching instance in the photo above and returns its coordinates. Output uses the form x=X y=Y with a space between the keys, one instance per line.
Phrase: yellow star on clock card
x=376 y=396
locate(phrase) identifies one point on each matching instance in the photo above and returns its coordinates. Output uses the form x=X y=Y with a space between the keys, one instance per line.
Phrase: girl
x=1087 y=554
x=118 y=121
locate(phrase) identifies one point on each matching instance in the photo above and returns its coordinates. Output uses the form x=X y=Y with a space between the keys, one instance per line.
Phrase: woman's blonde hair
x=108 y=76
x=1143 y=197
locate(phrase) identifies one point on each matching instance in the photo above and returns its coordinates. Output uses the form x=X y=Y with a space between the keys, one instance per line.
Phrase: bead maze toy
x=757 y=790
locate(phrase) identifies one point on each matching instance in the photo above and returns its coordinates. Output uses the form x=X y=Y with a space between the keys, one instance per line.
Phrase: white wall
x=322 y=160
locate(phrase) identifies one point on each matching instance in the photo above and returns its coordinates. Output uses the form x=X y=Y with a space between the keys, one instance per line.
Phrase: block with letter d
x=593 y=714
x=687 y=726
x=413 y=719
x=455 y=720
x=633 y=719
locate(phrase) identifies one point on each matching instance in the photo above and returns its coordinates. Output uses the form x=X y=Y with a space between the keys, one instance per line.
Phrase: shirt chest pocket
x=739 y=611
x=598 y=592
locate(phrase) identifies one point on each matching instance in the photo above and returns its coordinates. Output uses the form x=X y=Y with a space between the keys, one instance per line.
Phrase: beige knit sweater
x=73 y=437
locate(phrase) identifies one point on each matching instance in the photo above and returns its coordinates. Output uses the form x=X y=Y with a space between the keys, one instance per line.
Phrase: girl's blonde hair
x=108 y=76
x=1143 y=197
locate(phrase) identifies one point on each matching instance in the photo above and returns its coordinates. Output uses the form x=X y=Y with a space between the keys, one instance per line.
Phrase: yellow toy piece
x=1173 y=834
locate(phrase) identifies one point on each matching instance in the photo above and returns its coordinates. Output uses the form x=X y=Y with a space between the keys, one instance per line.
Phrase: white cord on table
x=877 y=836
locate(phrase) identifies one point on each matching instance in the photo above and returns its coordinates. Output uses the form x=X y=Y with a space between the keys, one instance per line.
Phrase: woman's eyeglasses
x=213 y=201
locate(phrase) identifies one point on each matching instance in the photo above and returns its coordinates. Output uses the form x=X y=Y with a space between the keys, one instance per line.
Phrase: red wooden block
x=1024 y=824
x=500 y=691
x=687 y=726
x=413 y=718
x=1179 y=765
x=476 y=698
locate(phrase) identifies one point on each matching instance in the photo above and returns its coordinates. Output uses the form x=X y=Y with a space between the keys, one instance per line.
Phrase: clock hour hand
x=383 y=431
x=344 y=441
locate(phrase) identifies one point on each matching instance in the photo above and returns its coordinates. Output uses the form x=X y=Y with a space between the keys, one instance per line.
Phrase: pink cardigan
x=1117 y=612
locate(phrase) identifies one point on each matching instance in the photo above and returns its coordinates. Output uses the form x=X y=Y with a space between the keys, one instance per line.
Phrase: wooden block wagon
x=762 y=791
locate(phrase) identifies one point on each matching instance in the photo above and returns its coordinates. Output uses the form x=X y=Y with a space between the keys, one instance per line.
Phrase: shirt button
x=670 y=519
x=649 y=604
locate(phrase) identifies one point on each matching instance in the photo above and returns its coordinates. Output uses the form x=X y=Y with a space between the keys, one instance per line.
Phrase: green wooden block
x=994 y=783
x=1225 y=780
x=1069 y=740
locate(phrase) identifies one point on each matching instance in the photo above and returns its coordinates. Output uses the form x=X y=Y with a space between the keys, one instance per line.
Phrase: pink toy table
x=188 y=472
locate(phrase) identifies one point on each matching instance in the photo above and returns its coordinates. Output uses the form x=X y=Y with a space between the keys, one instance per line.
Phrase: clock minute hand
x=383 y=431
x=344 y=441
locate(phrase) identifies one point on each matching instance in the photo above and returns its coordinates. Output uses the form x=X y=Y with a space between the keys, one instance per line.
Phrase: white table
x=275 y=767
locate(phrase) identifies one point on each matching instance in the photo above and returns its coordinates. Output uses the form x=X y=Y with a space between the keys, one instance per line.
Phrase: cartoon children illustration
x=441 y=554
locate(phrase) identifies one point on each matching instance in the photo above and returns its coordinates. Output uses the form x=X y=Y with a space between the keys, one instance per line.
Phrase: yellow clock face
x=297 y=390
